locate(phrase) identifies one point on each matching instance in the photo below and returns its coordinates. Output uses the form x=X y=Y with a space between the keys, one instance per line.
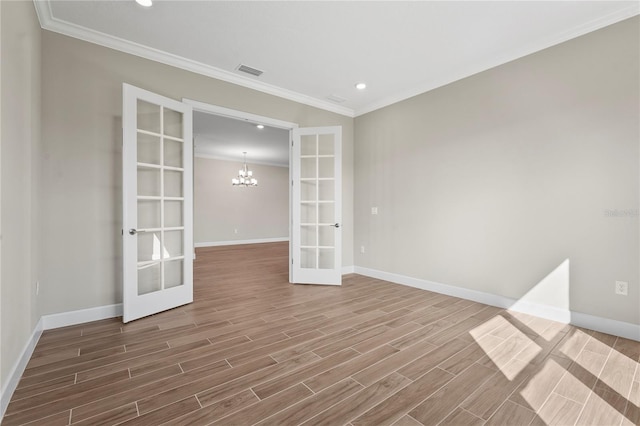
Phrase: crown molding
x=50 y=23
x=475 y=68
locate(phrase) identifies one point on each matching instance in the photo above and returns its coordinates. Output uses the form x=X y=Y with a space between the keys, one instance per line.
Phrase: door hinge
x=292 y=261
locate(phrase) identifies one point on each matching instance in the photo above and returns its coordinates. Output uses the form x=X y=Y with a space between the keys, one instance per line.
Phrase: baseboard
x=348 y=270
x=16 y=372
x=605 y=325
x=81 y=316
x=48 y=322
x=239 y=242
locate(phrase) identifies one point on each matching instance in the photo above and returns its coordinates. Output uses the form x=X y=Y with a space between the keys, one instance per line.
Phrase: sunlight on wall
x=552 y=290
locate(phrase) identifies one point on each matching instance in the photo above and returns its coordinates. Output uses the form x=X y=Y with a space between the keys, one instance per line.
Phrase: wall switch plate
x=361 y=249
x=37 y=288
x=374 y=210
x=235 y=231
x=622 y=288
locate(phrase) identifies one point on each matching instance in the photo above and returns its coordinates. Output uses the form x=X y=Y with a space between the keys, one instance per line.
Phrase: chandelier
x=245 y=176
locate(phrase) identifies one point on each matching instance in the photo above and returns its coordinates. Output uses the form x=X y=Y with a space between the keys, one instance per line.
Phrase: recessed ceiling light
x=361 y=86
x=260 y=126
x=145 y=3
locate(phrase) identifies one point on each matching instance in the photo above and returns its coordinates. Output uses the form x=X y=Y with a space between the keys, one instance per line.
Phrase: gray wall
x=81 y=168
x=20 y=144
x=492 y=182
x=219 y=208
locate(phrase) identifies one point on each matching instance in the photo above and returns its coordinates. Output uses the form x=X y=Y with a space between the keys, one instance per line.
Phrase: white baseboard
x=81 y=316
x=605 y=325
x=48 y=322
x=239 y=242
x=348 y=270
x=16 y=372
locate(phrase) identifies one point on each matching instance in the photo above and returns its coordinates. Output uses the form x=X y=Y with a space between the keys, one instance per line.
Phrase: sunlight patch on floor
x=502 y=355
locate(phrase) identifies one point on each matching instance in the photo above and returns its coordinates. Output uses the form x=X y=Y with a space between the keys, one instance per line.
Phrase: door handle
x=337 y=225
x=134 y=231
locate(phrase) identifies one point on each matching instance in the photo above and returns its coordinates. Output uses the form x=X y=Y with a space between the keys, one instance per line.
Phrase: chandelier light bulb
x=245 y=176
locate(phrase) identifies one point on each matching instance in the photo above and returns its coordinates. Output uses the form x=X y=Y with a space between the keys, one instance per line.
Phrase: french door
x=317 y=206
x=157 y=203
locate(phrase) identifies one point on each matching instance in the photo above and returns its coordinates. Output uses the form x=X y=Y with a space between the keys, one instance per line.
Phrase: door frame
x=198 y=106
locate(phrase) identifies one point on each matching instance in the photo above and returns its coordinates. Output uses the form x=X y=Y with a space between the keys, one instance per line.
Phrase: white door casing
x=317 y=205
x=157 y=203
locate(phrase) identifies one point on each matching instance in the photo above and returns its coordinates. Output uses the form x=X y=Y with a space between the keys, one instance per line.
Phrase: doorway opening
x=227 y=215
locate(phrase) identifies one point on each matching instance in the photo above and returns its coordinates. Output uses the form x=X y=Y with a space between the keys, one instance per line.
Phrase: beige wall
x=492 y=182
x=81 y=168
x=20 y=136
x=219 y=208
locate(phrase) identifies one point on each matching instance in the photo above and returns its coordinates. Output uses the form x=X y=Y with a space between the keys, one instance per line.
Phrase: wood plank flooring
x=254 y=349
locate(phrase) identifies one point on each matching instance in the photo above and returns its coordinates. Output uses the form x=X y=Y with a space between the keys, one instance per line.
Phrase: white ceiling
x=310 y=50
x=227 y=138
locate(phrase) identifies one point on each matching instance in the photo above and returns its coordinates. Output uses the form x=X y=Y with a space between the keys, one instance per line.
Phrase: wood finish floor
x=254 y=349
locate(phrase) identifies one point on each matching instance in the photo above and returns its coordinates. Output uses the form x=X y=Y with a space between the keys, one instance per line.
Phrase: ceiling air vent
x=249 y=70
x=335 y=98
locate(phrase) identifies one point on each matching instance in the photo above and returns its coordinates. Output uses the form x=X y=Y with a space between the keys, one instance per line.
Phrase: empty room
x=319 y=212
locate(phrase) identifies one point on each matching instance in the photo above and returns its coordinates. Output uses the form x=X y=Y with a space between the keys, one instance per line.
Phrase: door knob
x=133 y=231
x=337 y=225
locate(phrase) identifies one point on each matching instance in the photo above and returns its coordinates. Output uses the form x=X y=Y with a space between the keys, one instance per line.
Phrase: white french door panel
x=157 y=190
x=317 y=205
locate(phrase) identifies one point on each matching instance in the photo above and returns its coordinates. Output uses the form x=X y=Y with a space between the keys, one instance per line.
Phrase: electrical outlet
x=622 y=288
x=361 y=249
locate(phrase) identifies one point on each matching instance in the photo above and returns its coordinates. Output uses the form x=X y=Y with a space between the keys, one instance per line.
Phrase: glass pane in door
x=172 y=123
x=160 y=153
x=148 y=181
x=173 y=217
x=148 y=149
x=172 y=183
x=173 y=153
x=149 y=214
x=149 y=278
x=173 y=273
x=317 y=197
x=148 y=117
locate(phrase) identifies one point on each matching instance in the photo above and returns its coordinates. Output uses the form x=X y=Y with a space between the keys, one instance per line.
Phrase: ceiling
x=227 y=138
x=314 y=50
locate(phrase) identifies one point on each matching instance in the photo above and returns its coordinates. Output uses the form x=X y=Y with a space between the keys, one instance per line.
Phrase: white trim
x=348 y=270
x=605 y=325
x=235 y=160
x=238 y=115
x=81 y=316
x=517 y=53
x=240 y=242
x=50 y=23
x=9 y=387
